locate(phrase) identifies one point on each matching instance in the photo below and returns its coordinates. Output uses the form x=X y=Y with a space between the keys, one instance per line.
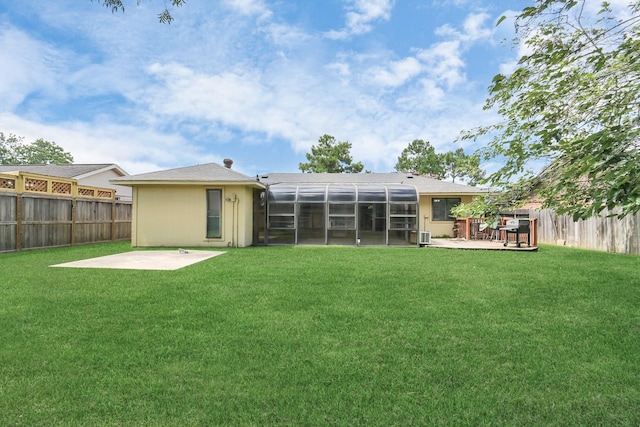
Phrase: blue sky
x=258 y=81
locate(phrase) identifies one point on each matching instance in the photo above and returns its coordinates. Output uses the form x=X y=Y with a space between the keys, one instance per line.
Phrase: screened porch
x=341 y=214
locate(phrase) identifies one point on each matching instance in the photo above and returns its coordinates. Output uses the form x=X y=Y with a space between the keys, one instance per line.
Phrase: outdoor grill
x=517 y=227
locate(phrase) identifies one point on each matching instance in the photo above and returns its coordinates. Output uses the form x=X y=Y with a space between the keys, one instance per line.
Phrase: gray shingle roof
x=213 y=172
x=208 y=172
x=61 y=171
x=424 y=185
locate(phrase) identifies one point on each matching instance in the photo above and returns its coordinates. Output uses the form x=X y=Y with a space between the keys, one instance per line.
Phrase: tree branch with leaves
x=573 y=106
x=164 y=16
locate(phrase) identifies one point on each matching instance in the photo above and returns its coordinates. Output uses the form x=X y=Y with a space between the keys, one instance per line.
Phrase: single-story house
x=94 y=175
x=212 y=205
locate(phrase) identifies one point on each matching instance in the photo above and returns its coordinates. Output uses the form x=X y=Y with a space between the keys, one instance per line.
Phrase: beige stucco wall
x=176 y=215
x=437 y=228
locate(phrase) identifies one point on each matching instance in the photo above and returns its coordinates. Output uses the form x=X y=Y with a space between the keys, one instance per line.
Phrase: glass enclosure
x=341 y=214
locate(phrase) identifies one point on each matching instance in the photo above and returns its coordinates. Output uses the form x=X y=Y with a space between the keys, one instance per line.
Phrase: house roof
x=76 y=171
x=213 y=172
x=204 y=173
x=423 y=184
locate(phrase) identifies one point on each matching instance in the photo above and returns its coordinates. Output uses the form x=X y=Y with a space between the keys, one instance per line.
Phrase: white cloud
x=397 y=73
x=302 y=109
x=286 y=35
x=474 y=29
x=444 y=62
x=234 y=98
x=250 y=7
x=246 y=78
x=342 y=69
x=136 y=149
x=28 y=67
x=360 y=17
x=426 y=96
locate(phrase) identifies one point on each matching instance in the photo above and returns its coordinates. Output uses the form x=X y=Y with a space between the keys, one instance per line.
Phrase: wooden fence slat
x=603 y=233
x=31 y=221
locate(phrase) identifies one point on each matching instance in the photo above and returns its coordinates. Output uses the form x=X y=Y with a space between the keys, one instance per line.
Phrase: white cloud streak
x=360 y=17
x=28 y=67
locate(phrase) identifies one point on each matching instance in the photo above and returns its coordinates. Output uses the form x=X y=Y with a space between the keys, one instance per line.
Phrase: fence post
x=113 y=220
x=74 y=219
x=18 y=222
x=533 y=230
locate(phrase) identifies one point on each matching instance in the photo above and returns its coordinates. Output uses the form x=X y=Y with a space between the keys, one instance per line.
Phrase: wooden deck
x=490 y=245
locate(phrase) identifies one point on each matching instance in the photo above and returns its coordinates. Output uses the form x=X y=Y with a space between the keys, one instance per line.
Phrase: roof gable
x=208 y=172
x=76 y=171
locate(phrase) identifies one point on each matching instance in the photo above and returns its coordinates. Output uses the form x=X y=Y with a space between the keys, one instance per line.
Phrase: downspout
x=234 y=220
x=236 y=205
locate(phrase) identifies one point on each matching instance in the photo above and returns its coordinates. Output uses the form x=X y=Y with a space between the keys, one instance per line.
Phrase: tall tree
x=331 y=156
x=420 y=157
x=572 y=104
x=458 y=164
x=8 y=146
x=39 y=152
x=165 y=16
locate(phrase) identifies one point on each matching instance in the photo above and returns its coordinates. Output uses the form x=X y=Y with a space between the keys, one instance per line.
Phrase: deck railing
x=470 y=229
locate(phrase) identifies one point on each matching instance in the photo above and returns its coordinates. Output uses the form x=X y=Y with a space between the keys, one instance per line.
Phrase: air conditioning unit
x=425 y=238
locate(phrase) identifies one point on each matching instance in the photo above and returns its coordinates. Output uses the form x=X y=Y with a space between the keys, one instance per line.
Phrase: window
x=281 y=211
x=402 y=194
x=214 y=214
x=372 y=193
x=342 y=193
x=281 y=194
x=312 y=193
x=441 y=208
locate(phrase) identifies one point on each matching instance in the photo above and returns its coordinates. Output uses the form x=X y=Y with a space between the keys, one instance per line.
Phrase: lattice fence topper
x=60 y=187
x=86 y=192
x=37 y=185
x=8 y=183
x=41 y=184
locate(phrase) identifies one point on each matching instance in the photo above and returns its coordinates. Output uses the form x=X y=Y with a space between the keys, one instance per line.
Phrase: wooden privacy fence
x=602 y=233
x=38 y=211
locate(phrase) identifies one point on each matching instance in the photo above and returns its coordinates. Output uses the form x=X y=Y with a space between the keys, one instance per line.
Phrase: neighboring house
x=212 y=205
x=95 y=175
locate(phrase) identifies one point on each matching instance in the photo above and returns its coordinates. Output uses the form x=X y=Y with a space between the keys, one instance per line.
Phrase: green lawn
x=322 y=336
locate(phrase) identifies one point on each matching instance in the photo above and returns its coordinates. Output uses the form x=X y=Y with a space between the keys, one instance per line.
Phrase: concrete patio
x=145 y=260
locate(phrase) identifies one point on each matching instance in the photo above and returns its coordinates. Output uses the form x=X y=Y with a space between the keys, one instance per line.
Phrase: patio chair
x=494 y=231
x=483 y=231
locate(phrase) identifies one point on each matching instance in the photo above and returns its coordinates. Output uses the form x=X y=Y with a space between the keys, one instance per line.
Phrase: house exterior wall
x=176 y=215
x=437 y=228
x=101 y=179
